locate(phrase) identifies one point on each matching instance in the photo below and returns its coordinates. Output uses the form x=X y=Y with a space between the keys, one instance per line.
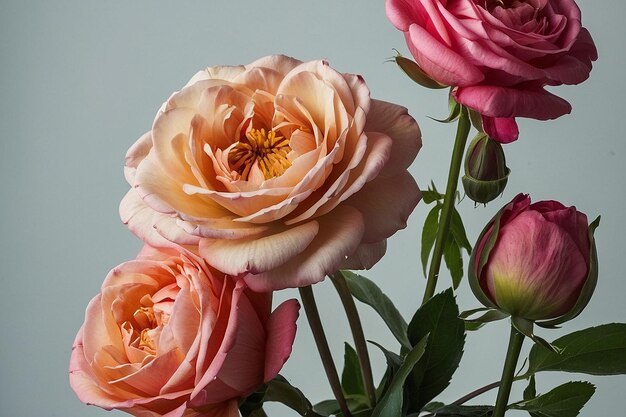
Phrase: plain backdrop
x=81 y=80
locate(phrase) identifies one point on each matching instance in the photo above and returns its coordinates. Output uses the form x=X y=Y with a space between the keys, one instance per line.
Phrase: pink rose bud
x=486 y=173
x=536 y=261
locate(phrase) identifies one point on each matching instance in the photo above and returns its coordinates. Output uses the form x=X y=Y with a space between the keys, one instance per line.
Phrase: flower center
x=147 y=320
x=264 y=150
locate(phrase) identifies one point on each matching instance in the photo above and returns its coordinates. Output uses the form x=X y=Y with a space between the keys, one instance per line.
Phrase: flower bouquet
x=280 y=173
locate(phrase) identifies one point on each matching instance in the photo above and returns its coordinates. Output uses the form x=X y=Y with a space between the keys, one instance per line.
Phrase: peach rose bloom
x=168 y=335
x=278 y=172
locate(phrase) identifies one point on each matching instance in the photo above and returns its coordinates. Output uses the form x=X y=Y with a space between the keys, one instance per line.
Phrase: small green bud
x=486 y=173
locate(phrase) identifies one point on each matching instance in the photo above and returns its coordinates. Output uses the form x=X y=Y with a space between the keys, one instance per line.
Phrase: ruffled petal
x=501 y=129
x=505 y=102
x=257 y=255
x=339 y=236
x=439 y=61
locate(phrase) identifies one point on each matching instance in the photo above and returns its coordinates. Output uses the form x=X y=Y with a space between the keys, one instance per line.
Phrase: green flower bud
x=486 y=173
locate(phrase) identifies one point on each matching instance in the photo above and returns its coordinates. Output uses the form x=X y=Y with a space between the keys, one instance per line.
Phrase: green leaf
x=367 y=292
x=489 y=316
x=464 y=411
x=327 y=408
x=439 y=318
x=433 y=406
x=394 y=362
x=253 y=403
x=531 y=391
x=351 y=378
x=259 y=412
x=390 y=405
x=454 y=260
x=429 y=196
x=429 y=234
x=458 y=231
x=563 y=401
x=280 y=390
x=597 y=350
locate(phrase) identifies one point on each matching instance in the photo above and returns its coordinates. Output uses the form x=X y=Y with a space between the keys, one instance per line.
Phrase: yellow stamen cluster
x=263 y=148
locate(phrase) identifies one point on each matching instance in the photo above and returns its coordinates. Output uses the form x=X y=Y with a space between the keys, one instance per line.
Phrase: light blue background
x=81 y=80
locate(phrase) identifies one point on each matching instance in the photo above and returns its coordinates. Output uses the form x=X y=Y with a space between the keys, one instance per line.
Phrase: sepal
x=415 y=73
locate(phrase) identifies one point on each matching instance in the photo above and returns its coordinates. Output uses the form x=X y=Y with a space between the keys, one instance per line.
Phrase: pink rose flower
x=535 y=261
x=167 y=335
x=278 y=172
x=499 y=54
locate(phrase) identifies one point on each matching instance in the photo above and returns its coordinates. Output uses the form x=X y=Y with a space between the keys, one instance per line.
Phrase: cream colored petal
x=339 y=236
x=165 y=194
x=260 y=78
x=223 y=228
x=241 y=256
x=395 y=122
x=150 y=378
x=170 y=140
x=281 y=63
x=327 y=75
x=100 y=329
x=223 y=107
x=320 y=101
x=189 y=96
x=276 y=211
x=328 y=198
x=88 y=386
x=137 y=152
x=386 y=204
x=142 y=220
x=244 y=203
x=366 y=255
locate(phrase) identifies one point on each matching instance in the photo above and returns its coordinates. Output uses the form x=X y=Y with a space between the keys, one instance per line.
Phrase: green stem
x=462 y=132
x=471 y=395
x=476 y=393
x=357 y=334
x=313 y=316
x=508 y=373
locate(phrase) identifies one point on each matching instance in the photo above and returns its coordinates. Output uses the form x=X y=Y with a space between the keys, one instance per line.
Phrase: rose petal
x=339 y=236
x=510 y=102
x=439 y=61
x=281 y=333
x=256 y=255
x=501 y=129
x=366 y=255
x=395 y=122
